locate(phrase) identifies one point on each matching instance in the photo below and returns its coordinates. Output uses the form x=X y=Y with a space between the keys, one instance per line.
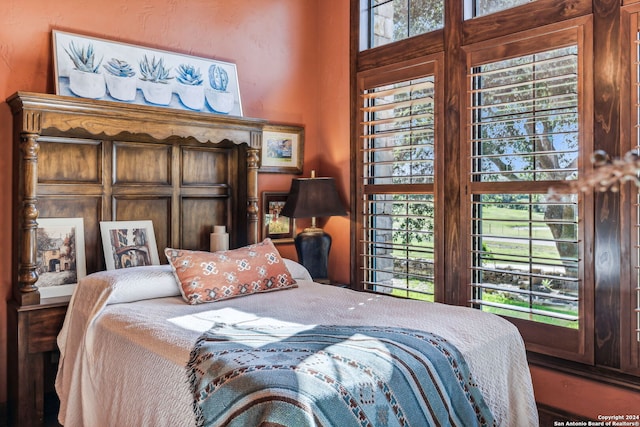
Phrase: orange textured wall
x=586 y=398
x=292 y=60
x=333 y=129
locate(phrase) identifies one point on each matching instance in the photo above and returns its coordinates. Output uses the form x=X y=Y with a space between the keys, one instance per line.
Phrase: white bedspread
x=123 y=364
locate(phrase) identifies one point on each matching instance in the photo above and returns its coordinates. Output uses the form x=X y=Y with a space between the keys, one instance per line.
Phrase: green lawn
x=510 y=250
x=425 y=286
x=505 y=222
x=535 y=317
x=514 y=224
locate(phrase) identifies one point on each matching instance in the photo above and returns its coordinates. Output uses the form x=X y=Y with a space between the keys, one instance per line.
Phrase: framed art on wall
x=128 y=244
x=282 y=149
x=278 y=228
x=90 y=67
x=60 y=257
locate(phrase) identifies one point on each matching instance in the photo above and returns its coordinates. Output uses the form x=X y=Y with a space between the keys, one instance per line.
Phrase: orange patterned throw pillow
x=215 y=276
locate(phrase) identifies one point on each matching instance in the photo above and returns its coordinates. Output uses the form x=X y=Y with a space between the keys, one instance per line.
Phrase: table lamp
x=311 y=198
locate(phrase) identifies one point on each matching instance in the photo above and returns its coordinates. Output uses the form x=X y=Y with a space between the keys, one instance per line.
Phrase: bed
x=137 y=346
x=124 y=353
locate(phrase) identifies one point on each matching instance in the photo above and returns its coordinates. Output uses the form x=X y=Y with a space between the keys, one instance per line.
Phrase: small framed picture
x=278 y=228
x=282 y=149
x=60 y=259
x=128 y=244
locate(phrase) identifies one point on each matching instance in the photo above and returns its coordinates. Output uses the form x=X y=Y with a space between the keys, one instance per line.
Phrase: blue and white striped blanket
x=331 y=376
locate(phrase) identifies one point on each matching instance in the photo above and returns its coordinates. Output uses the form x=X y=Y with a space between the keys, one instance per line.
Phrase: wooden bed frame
x=107 y=161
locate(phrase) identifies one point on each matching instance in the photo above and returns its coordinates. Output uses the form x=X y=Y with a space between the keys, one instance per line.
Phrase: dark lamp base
x=313 y=248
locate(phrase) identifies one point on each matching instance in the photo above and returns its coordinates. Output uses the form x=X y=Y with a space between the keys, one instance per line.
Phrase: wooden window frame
x=568 y=343
x=415 y=69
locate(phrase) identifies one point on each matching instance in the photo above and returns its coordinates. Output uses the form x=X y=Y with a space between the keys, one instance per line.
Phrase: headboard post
x=252 y=185
x=27 y=293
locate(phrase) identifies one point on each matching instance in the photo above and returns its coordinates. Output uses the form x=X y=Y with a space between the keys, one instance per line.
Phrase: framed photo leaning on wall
x=128 y=244
x=60 y=258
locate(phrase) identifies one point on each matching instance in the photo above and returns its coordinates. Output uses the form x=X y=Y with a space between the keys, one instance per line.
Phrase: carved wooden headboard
x=107 y=161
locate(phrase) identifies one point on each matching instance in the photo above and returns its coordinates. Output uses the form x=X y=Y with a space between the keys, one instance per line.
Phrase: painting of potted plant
x=84 y=78
x=120 y=79
x=189 y=86
x=218 y=98
x=143 y=75
x=155 y=81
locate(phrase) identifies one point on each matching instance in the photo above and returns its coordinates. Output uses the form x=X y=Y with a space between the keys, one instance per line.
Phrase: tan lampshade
x=313 y=197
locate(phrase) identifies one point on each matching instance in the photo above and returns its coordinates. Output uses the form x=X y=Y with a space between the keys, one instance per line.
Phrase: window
x=398 y=152
x=387 y=21
x=476 y=8
x=524 y=128
x=525 y=257
x=524 y=137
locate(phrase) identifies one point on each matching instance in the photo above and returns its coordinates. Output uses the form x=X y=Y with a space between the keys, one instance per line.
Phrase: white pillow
x=135 y=283
x=298 y=271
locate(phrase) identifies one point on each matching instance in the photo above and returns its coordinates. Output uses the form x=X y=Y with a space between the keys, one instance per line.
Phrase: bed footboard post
x=252 y=186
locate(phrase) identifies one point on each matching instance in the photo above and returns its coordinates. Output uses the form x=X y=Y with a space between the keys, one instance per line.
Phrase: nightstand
x=31 y=339
x=339 y=285
x=328 y=282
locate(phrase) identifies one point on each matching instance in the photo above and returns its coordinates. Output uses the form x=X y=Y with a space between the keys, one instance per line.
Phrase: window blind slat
x=423 y=102
x=521 y=309
x=400 y=89
x=424 y=133
x=513 y=66
x=398 y=120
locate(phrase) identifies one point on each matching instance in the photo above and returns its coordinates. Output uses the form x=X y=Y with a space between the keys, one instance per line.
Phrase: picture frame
x=60 y=255
x=128 y=244
x=279 y=229
x=282 y=149
x=89 y=67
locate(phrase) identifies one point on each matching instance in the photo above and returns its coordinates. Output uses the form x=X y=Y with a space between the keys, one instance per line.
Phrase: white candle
x=219 y=239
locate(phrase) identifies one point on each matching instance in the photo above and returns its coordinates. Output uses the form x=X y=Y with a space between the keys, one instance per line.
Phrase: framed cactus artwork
x=90 y=67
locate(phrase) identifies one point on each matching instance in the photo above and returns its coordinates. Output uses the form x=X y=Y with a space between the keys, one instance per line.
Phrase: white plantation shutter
x=524 y=118
x=523 y=274
x=523 y=137
x=398 y=133
x=398 y=154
